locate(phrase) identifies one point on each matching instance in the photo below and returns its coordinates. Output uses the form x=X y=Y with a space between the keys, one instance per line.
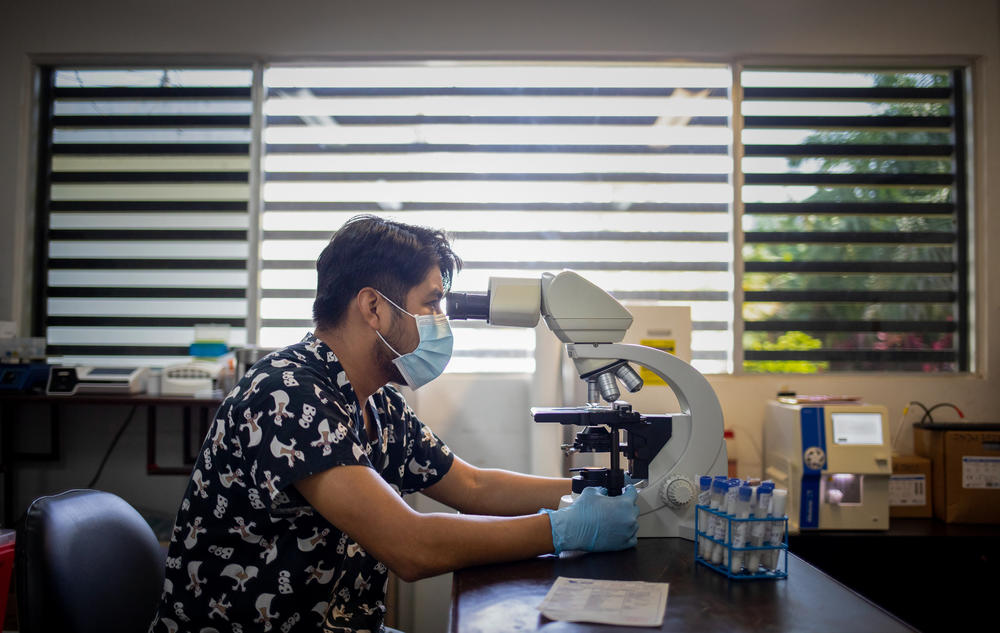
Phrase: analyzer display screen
x=857 y=428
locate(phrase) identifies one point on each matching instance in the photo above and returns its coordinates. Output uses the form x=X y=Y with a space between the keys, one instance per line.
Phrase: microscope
x=665 y=453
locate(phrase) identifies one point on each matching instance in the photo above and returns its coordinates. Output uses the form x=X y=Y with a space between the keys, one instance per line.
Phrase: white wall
x=132 y=30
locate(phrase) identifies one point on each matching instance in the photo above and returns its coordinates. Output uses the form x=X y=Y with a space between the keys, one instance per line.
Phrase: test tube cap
x=745 y=492
x=705 y=481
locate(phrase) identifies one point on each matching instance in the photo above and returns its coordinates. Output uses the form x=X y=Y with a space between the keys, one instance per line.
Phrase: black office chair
x=86 y=561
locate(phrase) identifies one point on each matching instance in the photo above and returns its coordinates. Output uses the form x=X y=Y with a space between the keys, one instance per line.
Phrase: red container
x=6 y=565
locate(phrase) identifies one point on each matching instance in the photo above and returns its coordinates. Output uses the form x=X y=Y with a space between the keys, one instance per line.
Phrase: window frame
x=966 y=67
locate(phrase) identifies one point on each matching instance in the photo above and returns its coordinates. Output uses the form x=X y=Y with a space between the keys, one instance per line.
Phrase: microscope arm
x=694 y=449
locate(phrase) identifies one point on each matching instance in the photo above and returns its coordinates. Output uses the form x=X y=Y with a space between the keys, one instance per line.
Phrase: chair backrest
x=86 y=561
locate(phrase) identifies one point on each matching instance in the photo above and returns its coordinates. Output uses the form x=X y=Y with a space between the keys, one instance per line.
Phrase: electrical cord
x=930 y=418
x=114 y=441
x=926 y=417
x=899 y=425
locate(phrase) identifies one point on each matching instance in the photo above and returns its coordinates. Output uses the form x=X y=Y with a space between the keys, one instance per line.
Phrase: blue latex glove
x=596 y=522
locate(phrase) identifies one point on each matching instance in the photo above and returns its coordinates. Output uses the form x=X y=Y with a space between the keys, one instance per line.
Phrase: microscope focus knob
x=677 y=492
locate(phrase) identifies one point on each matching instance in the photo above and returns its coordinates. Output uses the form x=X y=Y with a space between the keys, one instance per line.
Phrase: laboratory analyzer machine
x=834 y=459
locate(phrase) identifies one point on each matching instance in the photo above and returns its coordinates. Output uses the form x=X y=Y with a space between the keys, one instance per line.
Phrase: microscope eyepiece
x=468 y=305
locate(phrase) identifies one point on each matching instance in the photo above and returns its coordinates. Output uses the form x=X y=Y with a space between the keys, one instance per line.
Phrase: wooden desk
x=10 y=416
x=502 y=598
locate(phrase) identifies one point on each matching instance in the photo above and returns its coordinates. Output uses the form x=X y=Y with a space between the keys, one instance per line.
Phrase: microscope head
x=575 y=310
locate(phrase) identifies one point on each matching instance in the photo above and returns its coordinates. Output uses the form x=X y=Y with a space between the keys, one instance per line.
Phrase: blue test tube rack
x=779 y=571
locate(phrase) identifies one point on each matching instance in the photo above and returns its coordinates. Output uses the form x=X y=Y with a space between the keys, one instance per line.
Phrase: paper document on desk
x=628 y=603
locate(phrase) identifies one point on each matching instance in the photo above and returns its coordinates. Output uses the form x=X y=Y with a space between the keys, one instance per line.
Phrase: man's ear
x=368 y=305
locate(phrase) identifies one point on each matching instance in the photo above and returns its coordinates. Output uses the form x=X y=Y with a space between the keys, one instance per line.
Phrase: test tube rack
x=777 y=571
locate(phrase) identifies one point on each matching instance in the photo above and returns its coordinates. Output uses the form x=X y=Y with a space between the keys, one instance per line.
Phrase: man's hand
x=596 y=522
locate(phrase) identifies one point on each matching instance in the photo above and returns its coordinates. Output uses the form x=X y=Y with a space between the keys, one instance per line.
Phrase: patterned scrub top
x=248 y=552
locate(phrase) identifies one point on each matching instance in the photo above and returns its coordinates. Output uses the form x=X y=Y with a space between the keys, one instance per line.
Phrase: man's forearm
x=445 y=542
x=505 y=493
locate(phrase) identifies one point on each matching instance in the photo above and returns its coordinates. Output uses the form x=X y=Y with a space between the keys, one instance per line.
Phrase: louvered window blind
x=143 y=189
x=855 y=226
x=619 y=171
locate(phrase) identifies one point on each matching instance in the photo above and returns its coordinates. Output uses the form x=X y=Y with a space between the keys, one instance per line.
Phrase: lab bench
x=936 y=576
x=503 y=597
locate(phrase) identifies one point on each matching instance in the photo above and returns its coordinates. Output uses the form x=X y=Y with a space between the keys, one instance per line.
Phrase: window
x=852 y=201
x=855 y=221
x=618 y=171
x=143 y=211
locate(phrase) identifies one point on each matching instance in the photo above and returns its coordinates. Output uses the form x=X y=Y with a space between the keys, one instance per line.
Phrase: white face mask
x=432 y=354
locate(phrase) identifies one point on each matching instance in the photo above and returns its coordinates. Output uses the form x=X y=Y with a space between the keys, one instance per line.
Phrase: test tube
x=704 y=499
x=761 y=508
x=720 y=552
x=776 y=529
x=719 y=487
x=740 y=531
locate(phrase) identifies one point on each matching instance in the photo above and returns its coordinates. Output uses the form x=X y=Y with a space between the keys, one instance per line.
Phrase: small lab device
x=23 y=377
x=834 y=459
x=667 y=451
x=192 y=378
x=68 y=381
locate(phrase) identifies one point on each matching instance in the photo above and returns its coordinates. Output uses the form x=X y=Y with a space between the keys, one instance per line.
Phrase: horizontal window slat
x=146 y=293
x=154 y=149
x=874 y=267
x=149 y=176
x=570 y=207
x=534 y=176
x=146 y=335
x=206 y=309
x=148 y=220
x=290 y=264
x=669 y=295
x=295 y=121
x=116 y=350
x=850 y=326
x=145 y=92
x=164 y=120
x=172 y=191
x=113 y=321
x=125 y=206
x=469 y=148
x=821 y=179
x=146 y=264
x=836 y=237
x=715 y=326
x=850 y=208
x=134 y=234
x=894 y=356
x=878 y=93
x=135 y=278
x=623 y=236
x=494 y=91
x=849 y=296
x=147 y=249
x=829 y=122
x=601 y=265
x=848 y=150
x=669 y=132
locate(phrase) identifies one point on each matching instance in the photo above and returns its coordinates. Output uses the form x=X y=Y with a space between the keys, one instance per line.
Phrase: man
x=293 y=515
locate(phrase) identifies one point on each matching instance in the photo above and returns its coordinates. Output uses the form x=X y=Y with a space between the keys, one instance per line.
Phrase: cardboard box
x=965 y=470
x=910 y=488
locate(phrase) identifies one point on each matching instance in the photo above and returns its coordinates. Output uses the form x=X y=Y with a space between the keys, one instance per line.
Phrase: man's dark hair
x=370 y=251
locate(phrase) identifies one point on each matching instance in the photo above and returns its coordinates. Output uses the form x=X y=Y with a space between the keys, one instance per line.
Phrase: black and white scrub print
x=248 y=552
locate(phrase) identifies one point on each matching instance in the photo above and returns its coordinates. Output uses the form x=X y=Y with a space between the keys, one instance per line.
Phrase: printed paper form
x=622 y=602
